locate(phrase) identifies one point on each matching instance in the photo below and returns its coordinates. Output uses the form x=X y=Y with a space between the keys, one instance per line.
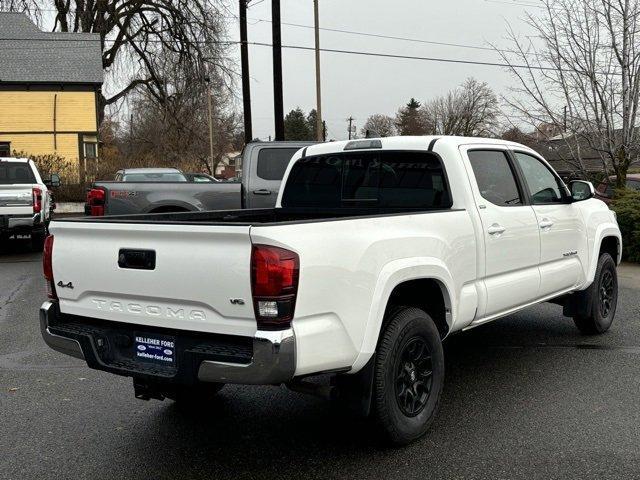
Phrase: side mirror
x=581 y=190
x=54 y=181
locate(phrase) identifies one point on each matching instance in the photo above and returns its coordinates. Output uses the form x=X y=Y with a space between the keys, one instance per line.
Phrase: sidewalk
x=629 y=275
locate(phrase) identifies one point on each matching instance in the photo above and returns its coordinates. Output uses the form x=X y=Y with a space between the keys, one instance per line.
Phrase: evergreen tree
x=409 y=119
x=296 y=126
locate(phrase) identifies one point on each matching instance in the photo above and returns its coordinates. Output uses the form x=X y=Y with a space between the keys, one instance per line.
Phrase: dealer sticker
x=155 y=349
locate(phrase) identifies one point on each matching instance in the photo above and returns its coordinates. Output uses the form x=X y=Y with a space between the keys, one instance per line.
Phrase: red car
x=605 y=190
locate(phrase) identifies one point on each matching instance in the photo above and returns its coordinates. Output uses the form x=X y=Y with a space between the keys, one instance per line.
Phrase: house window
x=90 y=150
x=5 y=149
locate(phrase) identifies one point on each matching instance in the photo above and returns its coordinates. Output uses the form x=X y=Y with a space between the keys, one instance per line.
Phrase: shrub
x=70 y=193
x=627 y=207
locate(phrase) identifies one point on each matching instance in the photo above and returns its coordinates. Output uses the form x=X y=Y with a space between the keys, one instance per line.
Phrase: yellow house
x=49 y=89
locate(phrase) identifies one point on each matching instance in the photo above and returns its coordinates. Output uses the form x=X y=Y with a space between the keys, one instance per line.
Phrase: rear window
x=273 y=162
x=154 y=177
x=384 y=179
x=14 y=172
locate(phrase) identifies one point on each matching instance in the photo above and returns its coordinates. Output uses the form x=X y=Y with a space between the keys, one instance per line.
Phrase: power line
x=377 y=35
x=380 y=55
x=515 y=3
x=343 y=31
x=410 y=57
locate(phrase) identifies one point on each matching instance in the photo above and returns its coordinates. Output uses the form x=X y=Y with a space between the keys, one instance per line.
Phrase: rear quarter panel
x=349 y=267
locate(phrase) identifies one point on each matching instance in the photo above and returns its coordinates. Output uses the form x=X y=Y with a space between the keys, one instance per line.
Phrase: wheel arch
x=174 y=206
x=606 y=239
x=407 y=280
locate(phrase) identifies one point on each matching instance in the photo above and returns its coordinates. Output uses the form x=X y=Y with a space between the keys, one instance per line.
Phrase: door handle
x=262 y=191
x=495 y=229
x=546 y=223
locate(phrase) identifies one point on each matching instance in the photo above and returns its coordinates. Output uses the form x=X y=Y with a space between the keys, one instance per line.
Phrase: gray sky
x=361 y=86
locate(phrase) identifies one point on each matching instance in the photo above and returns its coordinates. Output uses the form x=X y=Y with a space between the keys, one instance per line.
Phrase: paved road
x=526 y=397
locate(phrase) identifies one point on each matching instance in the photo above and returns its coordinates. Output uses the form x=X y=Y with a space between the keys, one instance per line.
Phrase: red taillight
x=274 y=282
x=95 y=201
x=36 y=193
x=47 y=267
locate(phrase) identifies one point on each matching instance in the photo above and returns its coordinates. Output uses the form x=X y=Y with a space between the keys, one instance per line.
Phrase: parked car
x=375 y=252
x=151 y=191
x=606 y=188
x=25 y=200
x=201 y=178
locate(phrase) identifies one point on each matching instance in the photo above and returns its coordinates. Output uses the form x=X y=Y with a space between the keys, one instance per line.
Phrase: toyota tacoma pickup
x=375 y=252
x=25 y=200
x=154 y=190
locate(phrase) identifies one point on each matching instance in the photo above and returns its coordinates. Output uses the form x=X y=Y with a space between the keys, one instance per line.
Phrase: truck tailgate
x=15 y=199
x=102 y=270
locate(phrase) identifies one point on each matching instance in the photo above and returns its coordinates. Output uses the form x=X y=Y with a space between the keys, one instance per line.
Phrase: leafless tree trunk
x=582 y=73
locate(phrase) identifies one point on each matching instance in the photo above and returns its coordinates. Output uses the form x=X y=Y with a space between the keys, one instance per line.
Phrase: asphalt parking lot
x=525 y=397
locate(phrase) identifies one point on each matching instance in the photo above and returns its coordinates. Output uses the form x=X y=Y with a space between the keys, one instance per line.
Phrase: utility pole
x=210 y=103
x=319 y=129
x=244 y=62
x=350 y=120
x=278 y=108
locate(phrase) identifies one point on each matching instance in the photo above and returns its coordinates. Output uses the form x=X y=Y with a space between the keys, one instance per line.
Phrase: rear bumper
x=19 y=222
x=269 y=358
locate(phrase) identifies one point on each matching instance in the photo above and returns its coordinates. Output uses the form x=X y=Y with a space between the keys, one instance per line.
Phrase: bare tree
x=134 y=34
x=470 y=110
x=380 y=124
x=176 y=131
x=581 y=71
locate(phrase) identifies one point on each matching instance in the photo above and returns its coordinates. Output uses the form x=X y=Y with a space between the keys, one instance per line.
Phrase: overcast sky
x=360 y=86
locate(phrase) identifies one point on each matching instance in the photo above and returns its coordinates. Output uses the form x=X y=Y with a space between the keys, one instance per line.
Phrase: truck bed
x=263 y=217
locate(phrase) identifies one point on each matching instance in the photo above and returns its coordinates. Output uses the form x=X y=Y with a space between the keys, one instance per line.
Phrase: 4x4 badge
x=65 y=285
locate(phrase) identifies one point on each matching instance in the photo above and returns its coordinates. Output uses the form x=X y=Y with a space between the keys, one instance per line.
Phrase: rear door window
x=273 y=162
x=384 y=179
x=16 y=173
x=495 y=178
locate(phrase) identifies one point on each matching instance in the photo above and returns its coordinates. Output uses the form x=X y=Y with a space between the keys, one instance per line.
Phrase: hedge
x=626 y=204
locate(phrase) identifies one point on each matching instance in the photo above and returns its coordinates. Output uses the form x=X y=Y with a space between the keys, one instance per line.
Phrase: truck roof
x=12 y=159
x=408 y=142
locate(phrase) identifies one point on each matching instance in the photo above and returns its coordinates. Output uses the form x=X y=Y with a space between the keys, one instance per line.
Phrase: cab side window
x=495 y=178
x=543 y=185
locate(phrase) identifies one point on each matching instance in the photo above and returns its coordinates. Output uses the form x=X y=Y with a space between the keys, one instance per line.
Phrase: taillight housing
x=36 y=193
x=274 y=283
x=47 y=267
x=95 y=201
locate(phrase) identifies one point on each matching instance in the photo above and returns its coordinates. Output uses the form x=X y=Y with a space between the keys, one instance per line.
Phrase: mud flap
x=355 y=391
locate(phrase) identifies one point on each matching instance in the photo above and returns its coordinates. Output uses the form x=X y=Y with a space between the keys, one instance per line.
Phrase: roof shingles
x=29 y=55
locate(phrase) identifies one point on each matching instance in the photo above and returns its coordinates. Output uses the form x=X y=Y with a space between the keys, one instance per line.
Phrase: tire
x=195 y=396
x=37 y=241
x=401 y=372
x=601 y=299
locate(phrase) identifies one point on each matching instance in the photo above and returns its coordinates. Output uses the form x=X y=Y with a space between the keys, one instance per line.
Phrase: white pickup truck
x=24 y=200
x=376 y=251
